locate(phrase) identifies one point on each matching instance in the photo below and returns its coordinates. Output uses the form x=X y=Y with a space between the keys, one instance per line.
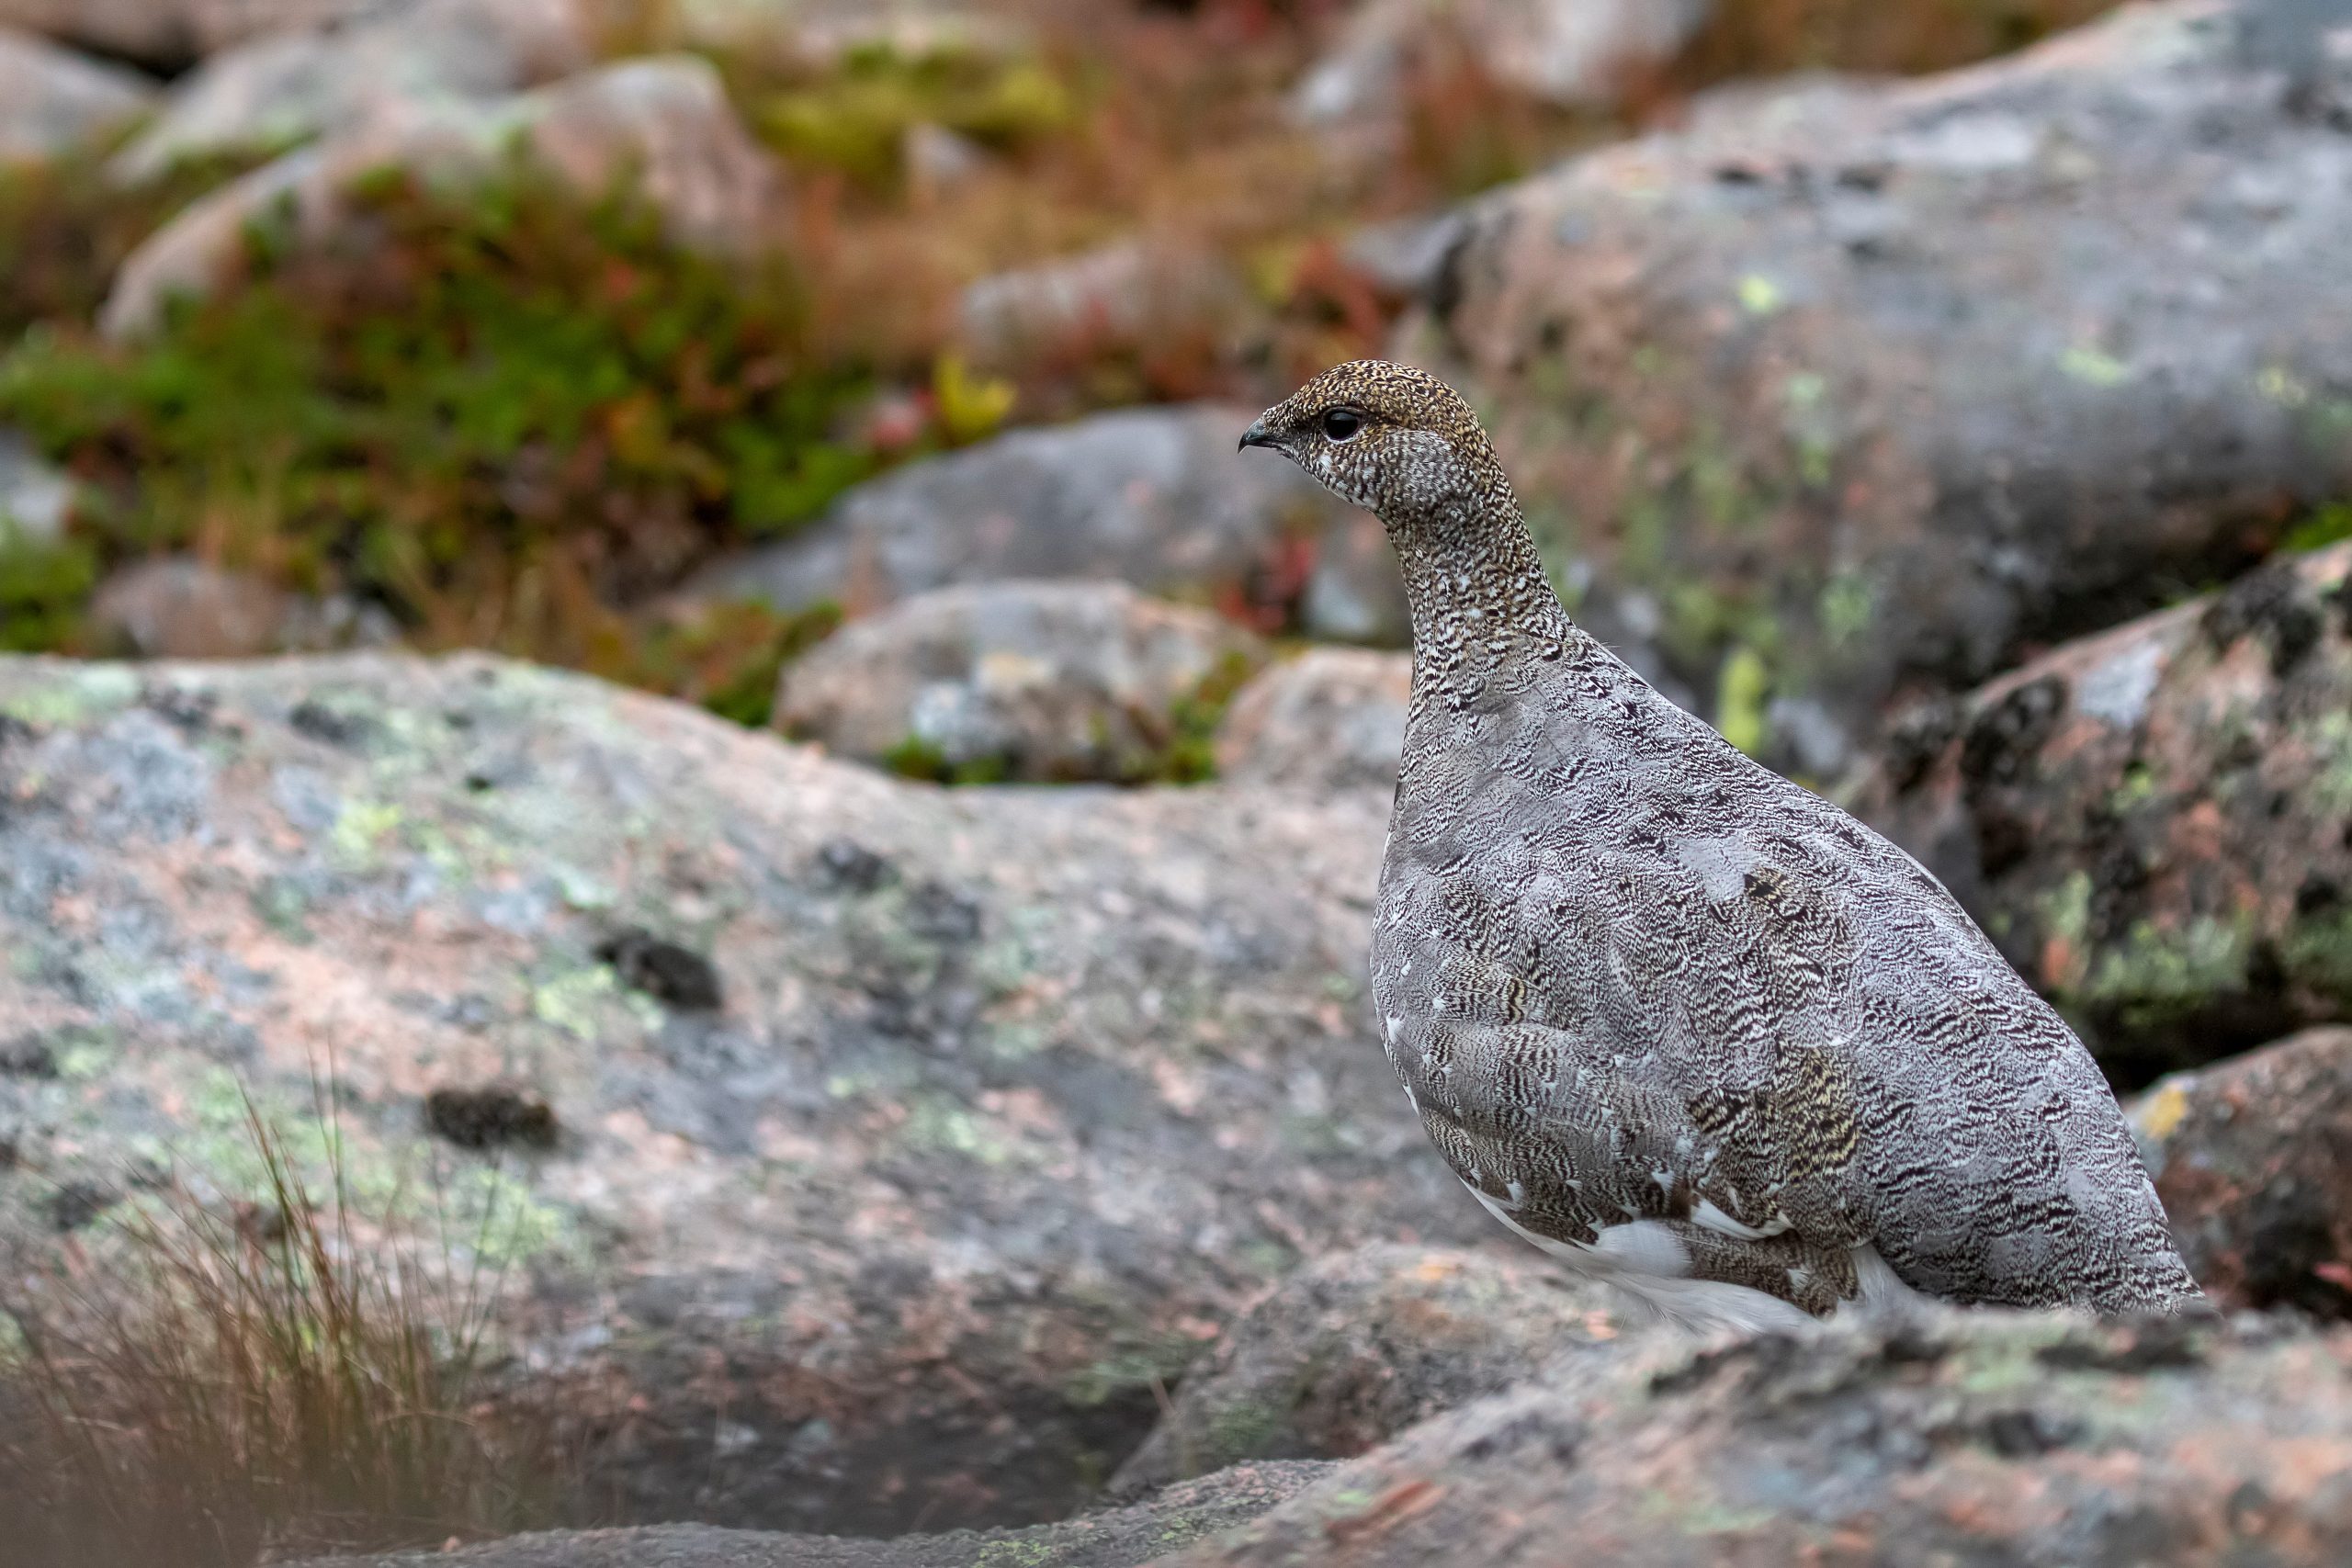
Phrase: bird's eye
x=1342 y=424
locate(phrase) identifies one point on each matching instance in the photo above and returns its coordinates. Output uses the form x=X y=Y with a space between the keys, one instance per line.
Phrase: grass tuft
x=257 y=1381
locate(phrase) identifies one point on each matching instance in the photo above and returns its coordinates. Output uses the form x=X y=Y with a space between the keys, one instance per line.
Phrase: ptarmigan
x=1668 y=1015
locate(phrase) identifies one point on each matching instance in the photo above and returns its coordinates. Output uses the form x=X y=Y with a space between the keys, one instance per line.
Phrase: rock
x=1056 y=682
x=2155 y=824
x=1013 y=1100
x=1574 y=53
x=819 y=32
x=1405 y=257
x=1959 y=1438
x=52 y=99
x=2253 y=1157
x=1152 y=497
x=288 y=87
x=177 y=607
x=667 y=123
x=1118 y=1538
x=937 y=160
x=1353 y=1348
x=36 y=498
x=663 y=121
x=171 y=35
x=1157 y=296
x=1884 y=385
x=1331 y=720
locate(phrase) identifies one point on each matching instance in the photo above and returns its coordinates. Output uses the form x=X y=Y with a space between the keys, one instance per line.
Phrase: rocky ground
x=929 y=1121
x=918 y=1130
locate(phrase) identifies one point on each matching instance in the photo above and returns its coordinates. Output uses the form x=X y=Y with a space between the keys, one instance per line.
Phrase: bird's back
x=1656 y=1003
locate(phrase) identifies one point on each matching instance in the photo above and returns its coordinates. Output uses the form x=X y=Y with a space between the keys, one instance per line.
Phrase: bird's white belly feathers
x=1647 y=1261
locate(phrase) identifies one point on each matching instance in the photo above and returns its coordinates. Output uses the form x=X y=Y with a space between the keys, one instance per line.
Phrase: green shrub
x=42 y=587
x=725 y=658
x=855 y=118
x=500 y=414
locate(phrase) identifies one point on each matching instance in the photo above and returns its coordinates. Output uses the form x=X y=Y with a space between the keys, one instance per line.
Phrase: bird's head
x=1393 y=440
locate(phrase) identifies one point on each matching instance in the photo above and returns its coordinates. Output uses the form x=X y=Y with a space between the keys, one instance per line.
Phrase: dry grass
x=255 y=1382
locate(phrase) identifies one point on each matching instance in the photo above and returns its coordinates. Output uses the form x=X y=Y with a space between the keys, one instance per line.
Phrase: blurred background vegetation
x=517 y=415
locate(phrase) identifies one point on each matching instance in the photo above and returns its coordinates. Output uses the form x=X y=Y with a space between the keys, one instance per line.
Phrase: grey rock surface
x=1967 y=1437
x=1331 y=720
x=1118 y=1538
x=52 y=99
x=2155 y=823
x=1011 y=1100
x=2253 y=1157
x=1353 y=1348
x=1053 y=682
x=1886 y=384
x=1153 y=497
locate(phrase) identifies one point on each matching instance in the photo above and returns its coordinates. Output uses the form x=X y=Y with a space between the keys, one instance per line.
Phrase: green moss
x=1847 y=605
x=2318 y=954
x=574 y=1003
x=725 y=658
x=1740 y=691
x=1187 y=753
x=2328 y=526
x=2139 y=787
x=855 y=117
x=75 y=693
x=915 y=758
x=2332 y=744
x=2157 y=977
x=1239 y=1430
x=43 y=587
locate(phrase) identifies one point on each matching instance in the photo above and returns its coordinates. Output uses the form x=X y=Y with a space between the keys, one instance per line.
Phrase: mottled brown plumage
x=1666 y=1013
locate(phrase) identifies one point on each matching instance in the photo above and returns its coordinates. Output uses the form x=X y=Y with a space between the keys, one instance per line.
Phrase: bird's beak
x=1256 y=436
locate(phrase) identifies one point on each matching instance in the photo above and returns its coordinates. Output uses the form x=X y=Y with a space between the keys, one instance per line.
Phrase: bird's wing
x=1720 y=1004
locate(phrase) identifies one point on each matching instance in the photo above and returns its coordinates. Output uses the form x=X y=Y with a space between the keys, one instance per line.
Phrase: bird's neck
x=1474 y=584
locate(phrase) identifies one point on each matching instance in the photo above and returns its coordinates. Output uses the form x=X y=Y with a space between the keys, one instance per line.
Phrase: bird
x=1669 y=1016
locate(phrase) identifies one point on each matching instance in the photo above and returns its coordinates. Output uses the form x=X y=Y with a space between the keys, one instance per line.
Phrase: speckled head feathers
x=1385 y=436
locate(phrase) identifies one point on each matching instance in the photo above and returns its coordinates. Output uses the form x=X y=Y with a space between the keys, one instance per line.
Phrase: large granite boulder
x=1044 y=681
x=1355 y=1348
x=1987 y=1438
x=663 y=124
x=2252 y=1159
x=52 y=99
x=875 y=1146
x=1879 y=385
x=2155 y=823
x=1154 y=497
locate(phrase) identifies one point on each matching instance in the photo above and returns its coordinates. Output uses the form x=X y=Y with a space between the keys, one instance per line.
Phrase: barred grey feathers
x=1666 y=1013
